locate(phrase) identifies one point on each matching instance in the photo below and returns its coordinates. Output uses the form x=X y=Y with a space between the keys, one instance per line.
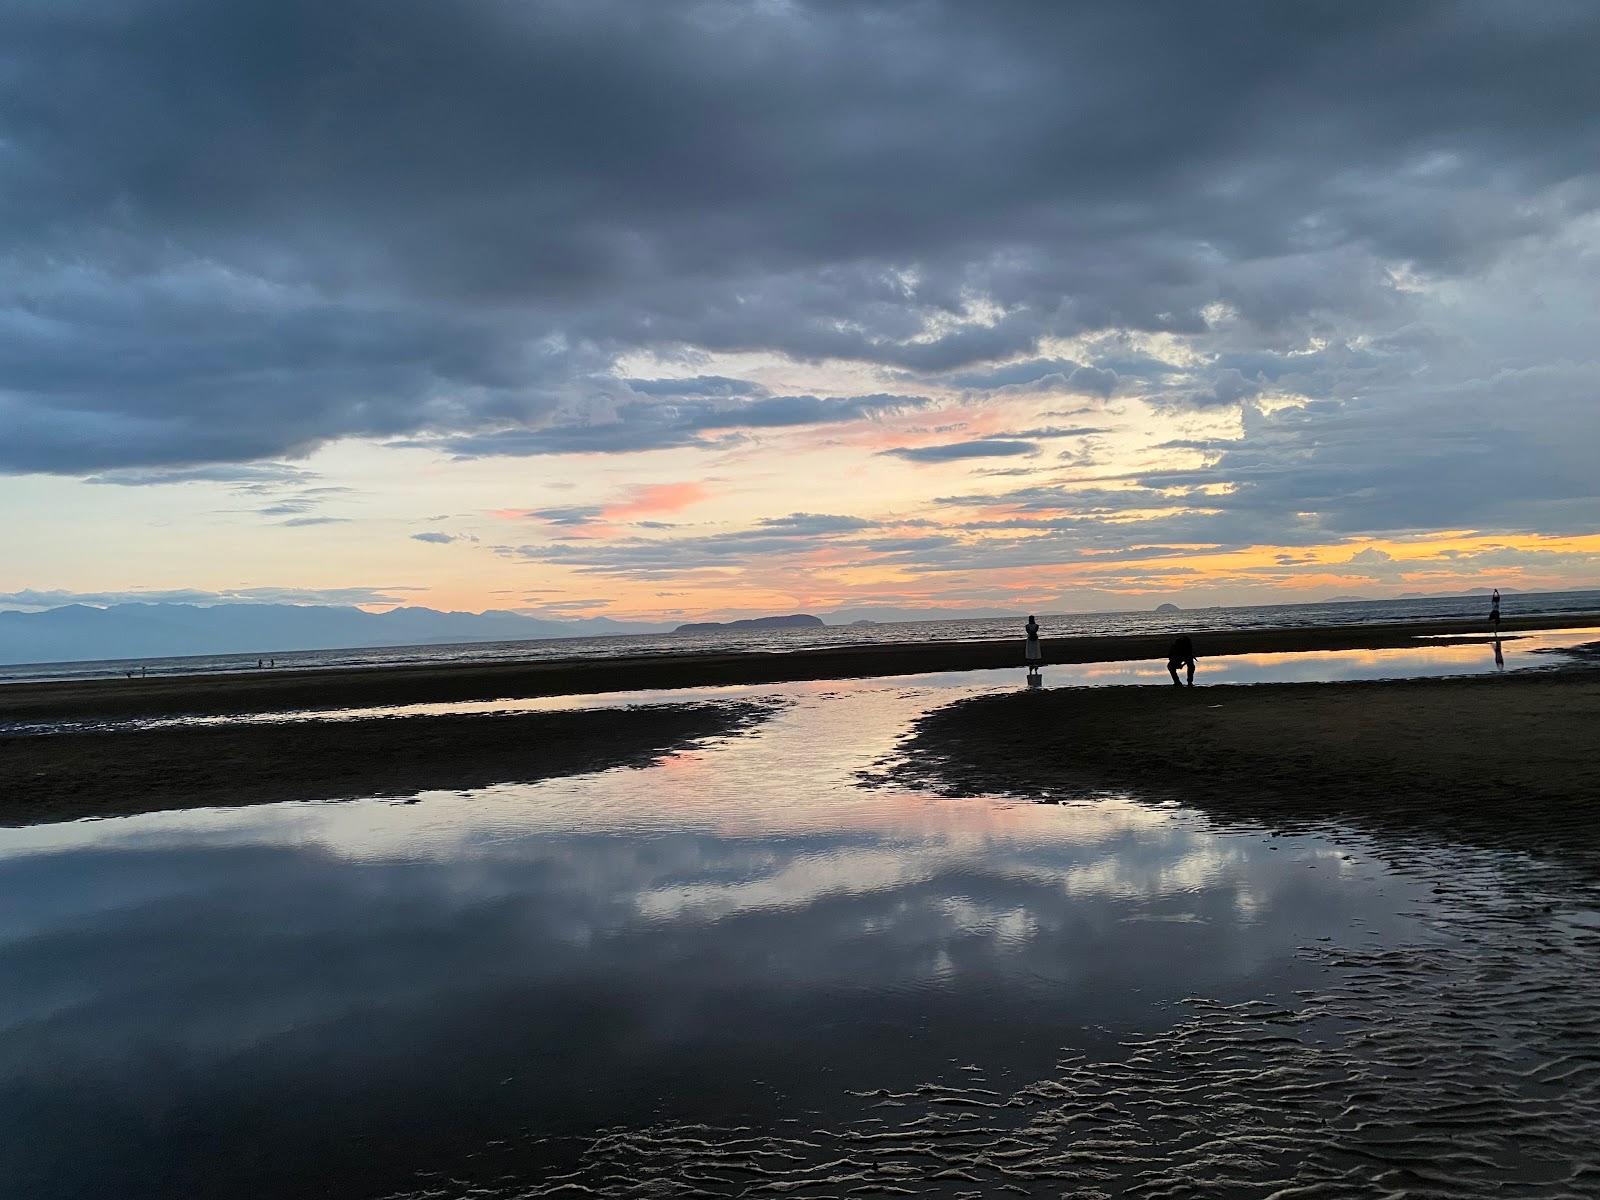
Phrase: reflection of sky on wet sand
x=429 y=976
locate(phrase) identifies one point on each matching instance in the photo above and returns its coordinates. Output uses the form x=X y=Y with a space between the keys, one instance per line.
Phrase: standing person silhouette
x=1181 y=654
x=1033 y=651
x=1494 y=612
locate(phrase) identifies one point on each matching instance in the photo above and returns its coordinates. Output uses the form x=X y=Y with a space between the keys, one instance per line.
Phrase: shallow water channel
x=741 y=971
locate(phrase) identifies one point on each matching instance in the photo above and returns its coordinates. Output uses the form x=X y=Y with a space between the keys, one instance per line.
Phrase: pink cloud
x=654 y=498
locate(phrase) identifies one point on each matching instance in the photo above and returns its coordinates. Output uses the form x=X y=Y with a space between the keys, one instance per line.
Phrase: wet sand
x=1503 y=761
x=64 y=776
x=280 y=691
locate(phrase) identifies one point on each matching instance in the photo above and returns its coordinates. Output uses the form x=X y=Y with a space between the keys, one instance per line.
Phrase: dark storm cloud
x=236 y=231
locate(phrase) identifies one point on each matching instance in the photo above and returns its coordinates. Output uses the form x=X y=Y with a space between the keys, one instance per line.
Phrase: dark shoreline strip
x=1507 y=762
x=282 y=691
x=66 y=776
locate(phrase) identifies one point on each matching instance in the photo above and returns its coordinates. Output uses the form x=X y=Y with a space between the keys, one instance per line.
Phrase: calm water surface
x=736 y=972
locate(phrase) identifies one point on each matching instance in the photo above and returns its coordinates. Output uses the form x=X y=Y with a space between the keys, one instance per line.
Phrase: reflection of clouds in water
x=295 y=934
x=789 y=884
x=1007 y=925
x=902 y=854
x=334 y=964
x=1200 y=866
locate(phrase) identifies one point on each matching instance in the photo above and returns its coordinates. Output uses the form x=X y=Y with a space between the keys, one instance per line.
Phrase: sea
x=1052 y=625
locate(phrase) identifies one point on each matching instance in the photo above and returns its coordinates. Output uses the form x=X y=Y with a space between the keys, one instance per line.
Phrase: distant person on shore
x=1181 y=655
x=1494 y=611
x=1032 y=650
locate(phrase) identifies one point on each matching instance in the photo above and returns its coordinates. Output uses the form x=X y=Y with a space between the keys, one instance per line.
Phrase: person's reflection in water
x=1499 y=658
x=1181 y=655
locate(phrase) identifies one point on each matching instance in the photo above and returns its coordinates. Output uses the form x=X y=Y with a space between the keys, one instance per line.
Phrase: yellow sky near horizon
x=760 y=521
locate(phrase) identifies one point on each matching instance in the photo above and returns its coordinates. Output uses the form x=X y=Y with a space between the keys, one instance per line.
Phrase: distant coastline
x=81 y=642
x=794 y=621
x=765 y=657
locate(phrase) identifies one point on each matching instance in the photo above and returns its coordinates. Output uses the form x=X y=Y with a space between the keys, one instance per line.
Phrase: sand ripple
x=1465 y=1065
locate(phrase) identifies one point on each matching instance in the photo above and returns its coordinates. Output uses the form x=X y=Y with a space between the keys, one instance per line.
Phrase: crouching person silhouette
x=1181 y=655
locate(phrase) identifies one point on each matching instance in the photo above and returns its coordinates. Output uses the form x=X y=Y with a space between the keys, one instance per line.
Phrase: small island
x=1168 y=608
x=796 y=621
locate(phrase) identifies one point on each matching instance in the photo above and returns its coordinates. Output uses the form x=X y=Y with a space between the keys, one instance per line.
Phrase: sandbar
x=104 y=773
x=1506 y=761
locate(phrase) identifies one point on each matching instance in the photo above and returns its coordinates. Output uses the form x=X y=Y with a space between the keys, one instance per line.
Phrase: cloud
x=1094 y=381
x=954 y=451
x=1057 y=431
x=793 y=535
x=244 y=475
x=469 y=265
x=649 y=499
x=697 y=385
x=1015 y=374
x=1226 y=387
x=571 y=514
x=441 y=539
x=660 y=426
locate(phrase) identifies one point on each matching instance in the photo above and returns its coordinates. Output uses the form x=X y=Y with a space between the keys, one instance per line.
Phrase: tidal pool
x=742 y=972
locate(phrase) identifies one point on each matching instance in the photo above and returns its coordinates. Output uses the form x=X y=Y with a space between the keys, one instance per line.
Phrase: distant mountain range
x=80 y=632
x=77 y=632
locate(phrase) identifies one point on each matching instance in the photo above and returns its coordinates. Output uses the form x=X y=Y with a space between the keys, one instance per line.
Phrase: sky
x=705 y=309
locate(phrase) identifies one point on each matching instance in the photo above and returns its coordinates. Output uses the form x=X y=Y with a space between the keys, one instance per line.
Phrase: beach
x=932 y=931
x=1499 y=761
x=1272 y=753
x=371 y=687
